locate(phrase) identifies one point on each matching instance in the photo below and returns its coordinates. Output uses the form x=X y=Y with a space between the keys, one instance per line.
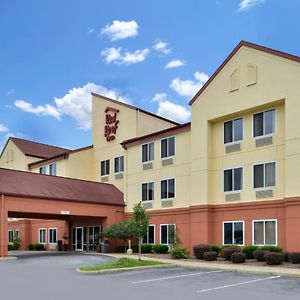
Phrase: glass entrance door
x=79 y=239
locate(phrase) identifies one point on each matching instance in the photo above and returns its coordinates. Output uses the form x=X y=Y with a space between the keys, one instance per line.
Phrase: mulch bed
x=249 y=262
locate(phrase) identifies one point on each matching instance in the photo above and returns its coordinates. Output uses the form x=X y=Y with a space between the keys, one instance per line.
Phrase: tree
x=139 y=224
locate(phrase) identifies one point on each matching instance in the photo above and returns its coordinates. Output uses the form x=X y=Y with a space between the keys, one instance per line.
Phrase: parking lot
x=54 y=277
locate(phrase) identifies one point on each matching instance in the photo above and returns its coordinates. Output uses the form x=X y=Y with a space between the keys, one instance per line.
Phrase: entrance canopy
x=30 y=195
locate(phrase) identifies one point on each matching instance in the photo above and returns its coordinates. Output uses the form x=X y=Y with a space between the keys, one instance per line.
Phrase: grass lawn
x=122 y=263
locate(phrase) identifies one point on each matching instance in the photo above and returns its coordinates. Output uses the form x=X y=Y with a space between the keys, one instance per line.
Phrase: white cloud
x=159 y=97
x=3 y=128
x=40 y=110
x=120 y=30
x=189 y=88
x=77 y=104
x=175 y=63
x=115 y=55
x=162 y=47
x=247 y=4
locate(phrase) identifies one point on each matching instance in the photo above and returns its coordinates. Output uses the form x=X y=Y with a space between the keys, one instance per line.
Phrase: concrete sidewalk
x=240 y=268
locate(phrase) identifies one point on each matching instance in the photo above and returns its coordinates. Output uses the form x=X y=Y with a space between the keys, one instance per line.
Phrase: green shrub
x=210 y=255
x=248 y=250
x=30 y=247
x=36 y=246
x=215 y=248
x=147 y=248
x=200 y=249
x=271 y=248
x=120 y=249
x=286 y=256
x=259 y=255
x=238 y=258
x=158 y=248
x=295 y=258
x=228 y=251
x=10 y=247
x=274 y=258
x=179 y=253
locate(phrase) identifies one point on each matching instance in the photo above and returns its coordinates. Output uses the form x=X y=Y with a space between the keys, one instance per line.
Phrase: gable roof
x=33 y=185
x=135 y=108
x=234 y=51
x=155 y=135
x=36 y=149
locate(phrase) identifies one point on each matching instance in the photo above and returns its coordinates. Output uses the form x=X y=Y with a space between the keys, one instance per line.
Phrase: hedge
x=179 y=253
x=210 y=255
x=274 y=258
x=238 y=258
x=200 y=249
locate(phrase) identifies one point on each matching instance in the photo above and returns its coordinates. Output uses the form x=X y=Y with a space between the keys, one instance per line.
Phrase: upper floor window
x=52 y=169
x=167 y=188
x=148 y=191
x=119 y=164
x=42 y=170
x=148 y=152
x=264 y=123
x=105 y=167
x=233 y=180
x=167 y=147
x=233 y=130
x=264 y=175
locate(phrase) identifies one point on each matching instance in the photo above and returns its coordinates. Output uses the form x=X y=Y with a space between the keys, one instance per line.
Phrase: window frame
x=264 y=187
x=148 y=160
x=49 y=168
x=43 y=168
x=104 y=160
x=147 y=182
x=223 y=181
x=168 y=156
x=49 y=235
x=39 y=236
x=275 y=123
x=232 y=120
x=8 y=236
x=118 y=157
x=160 y=235
x=167 y=179
x=147 y=234
x=264 y=232
x=232 y=222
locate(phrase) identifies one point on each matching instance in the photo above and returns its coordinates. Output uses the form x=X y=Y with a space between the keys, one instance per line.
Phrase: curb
x=121 y=270
x=8 y=258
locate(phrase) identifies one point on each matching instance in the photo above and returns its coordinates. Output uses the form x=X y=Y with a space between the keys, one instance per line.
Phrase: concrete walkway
x=240 y=268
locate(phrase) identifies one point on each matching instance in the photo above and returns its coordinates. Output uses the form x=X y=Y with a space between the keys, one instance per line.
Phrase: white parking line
x=236 y=284
x=177 y=276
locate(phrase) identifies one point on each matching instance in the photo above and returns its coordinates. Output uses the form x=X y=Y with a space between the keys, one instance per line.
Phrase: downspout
x=2 y=224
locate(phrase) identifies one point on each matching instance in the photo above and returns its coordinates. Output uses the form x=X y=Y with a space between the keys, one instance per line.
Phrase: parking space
x=54 y=277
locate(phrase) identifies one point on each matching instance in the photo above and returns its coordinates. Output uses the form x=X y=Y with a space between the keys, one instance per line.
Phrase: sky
x=152 y=54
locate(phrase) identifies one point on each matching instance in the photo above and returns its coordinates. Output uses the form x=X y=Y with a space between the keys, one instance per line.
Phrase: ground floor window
x=10 y=236
x=52 y=235
x=42 y=235
x=265 y=232
x=149 y=238
x=167 y=233
x=233 y=233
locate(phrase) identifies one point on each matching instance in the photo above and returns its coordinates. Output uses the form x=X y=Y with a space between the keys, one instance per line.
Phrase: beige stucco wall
x=277 y=86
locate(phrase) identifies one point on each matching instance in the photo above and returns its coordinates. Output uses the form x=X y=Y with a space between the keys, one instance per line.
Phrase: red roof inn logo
x=111 y=123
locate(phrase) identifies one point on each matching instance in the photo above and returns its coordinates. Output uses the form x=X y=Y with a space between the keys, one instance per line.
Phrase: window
x=10 y=236
x=42 y=170
x=17 y=234
x=105 y=167
x=233 y=180
x=42 y=235
x=233 y=130
x=149 y=238
x=119 y=164
x=167 y=147
x=52 y=235
x=167 y=188
x=264 y=123
x=52 y=169
x=148 y=152
x=265 y=232
x=233 y=233
x=148 y=191
x=264 y=175
x=167 y=233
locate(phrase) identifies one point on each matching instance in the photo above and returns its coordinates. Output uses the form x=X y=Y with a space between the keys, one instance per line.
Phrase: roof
x=32 y=185
x=234 y=51
x=62 y=156
x=162 y=133
x=135 y=108
x=38 y=150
